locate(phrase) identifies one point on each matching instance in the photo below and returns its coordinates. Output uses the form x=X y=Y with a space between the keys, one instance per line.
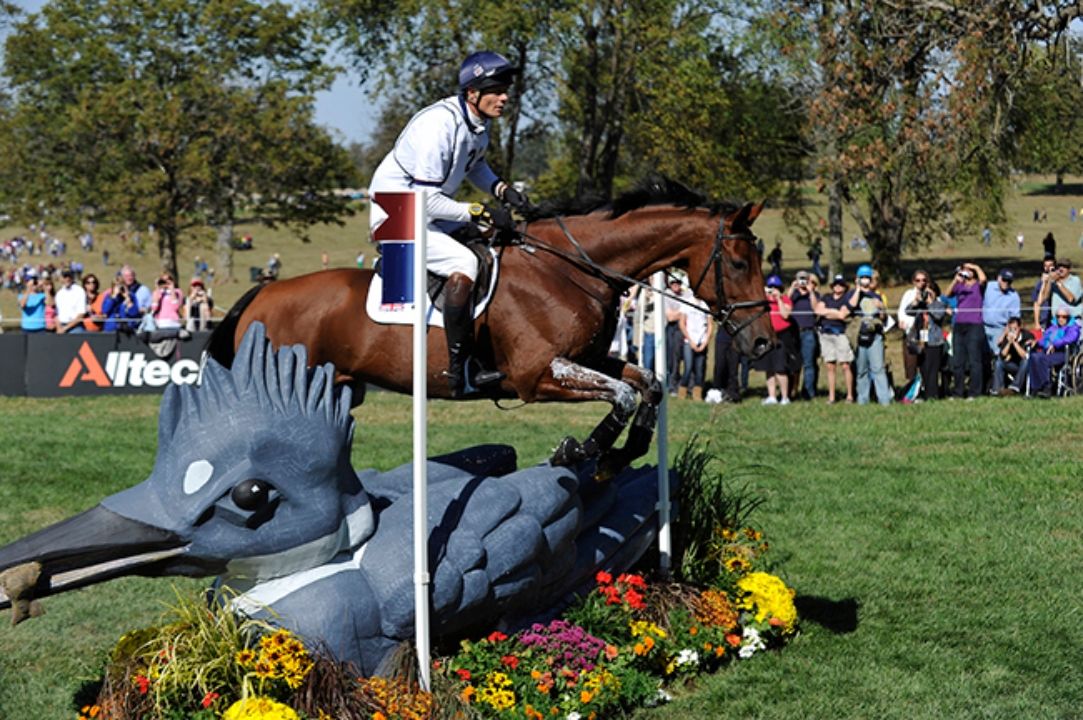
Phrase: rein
x=617 y=280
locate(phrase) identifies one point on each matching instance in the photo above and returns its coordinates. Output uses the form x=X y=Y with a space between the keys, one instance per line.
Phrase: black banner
x=105 y=364
x=13 y=364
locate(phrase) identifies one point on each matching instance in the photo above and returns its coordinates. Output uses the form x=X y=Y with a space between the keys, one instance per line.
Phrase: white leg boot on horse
x=459 y=327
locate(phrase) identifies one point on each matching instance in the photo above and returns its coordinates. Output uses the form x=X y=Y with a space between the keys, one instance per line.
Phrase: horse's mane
x=654 y=190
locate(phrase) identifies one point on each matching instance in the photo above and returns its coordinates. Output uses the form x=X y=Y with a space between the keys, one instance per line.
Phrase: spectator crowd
x=972 y=335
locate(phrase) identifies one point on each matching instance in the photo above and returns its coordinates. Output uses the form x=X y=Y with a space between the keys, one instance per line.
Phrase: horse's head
x=727 y=274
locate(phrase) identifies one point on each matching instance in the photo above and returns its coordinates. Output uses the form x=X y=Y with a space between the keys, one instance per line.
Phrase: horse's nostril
x=760 y=346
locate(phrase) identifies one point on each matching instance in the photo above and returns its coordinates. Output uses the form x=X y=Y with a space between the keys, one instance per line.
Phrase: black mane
x=655 y=190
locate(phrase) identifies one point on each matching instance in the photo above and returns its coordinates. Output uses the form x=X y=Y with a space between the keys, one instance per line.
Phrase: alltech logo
x=124 y=368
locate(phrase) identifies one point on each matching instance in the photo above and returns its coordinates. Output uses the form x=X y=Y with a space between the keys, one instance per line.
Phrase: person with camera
x=1043 y=290
x=925 y=334
x=166 y=305
x=776 y=363
x=32 y=305
x=1064 y=290
x=1013 y=349
x=834 y=345
x=968 y=334
x=804 y=297
x=198 y=306
x=866 y=305
x=906 y=320
x=120 y=308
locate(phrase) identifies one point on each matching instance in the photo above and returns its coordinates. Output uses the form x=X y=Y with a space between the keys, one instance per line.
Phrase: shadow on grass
x=1068 y=188
x=87 y=694
x=838 y=616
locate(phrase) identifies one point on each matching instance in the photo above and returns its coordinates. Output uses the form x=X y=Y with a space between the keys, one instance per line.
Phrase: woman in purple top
x=968 y=333
x=1051 y=352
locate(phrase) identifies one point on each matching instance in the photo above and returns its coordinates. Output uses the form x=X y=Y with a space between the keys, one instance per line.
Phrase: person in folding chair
x=1051 y=352
x=442 y=145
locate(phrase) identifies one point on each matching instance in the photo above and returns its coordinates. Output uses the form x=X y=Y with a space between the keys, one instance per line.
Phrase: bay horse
x=550 y=321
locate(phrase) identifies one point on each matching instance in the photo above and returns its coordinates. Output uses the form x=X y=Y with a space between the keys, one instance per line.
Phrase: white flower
x=661 y=697
x=751 y=635
x=747 y=651
x=687 y=656
x=573 y=715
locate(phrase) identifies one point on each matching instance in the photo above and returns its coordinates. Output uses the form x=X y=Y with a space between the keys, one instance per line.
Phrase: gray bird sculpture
x=253 y=483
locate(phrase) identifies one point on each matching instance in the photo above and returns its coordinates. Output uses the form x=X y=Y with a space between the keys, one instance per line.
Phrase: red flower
x=612 y=595
x=634 y=600
x=463 y=674
x=209 y=699
x=144 y=684
x=603 y=577
x=496 y=636
x=635 y=581
x=511 y=661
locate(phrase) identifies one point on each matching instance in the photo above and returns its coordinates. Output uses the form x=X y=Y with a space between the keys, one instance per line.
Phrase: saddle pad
x=398 y=316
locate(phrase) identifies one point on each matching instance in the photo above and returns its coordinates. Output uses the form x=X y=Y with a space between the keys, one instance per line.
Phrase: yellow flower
x=585 y=696
x=245 y=657
x=767 y=596
x=259 y=708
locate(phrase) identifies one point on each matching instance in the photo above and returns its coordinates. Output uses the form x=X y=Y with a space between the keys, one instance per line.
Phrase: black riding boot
x=459 y=327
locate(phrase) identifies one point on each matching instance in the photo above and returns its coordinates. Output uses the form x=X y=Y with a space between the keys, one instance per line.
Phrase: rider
x=440 y=146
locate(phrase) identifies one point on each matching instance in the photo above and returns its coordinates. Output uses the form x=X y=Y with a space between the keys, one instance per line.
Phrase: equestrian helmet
x=484 y=70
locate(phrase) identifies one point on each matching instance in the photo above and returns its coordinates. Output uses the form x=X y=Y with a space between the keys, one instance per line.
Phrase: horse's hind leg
x=576 y=382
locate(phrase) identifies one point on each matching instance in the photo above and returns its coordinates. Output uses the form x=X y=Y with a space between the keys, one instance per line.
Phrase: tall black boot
x=459 y=328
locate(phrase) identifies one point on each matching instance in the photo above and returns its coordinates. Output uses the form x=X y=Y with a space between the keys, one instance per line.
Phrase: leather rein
x=724 y=315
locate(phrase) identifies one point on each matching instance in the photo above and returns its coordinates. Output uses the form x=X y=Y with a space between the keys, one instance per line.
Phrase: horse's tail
x=220 y=344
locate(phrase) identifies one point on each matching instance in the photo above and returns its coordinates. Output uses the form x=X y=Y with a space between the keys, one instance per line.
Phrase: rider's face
x=490 y=103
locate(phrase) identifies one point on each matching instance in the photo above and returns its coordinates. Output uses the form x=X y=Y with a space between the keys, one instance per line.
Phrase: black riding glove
x=493 y=215
x=517 y=200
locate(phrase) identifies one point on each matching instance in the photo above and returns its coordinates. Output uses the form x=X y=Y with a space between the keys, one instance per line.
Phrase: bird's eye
x=251 y=494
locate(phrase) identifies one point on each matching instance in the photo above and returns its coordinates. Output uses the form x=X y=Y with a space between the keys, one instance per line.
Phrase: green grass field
x=934 y=548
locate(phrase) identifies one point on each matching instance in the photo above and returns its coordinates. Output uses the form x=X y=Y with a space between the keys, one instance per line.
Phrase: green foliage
x=712 y=510
x=171 y=114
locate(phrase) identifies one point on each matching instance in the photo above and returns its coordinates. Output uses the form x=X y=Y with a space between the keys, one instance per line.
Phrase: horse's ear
x=755 y=210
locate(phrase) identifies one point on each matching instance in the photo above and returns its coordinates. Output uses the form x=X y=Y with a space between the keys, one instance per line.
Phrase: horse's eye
x=251 y=494
x=739 y=265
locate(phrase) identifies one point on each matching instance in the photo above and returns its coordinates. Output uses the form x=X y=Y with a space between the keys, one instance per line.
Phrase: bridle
x=724 y=314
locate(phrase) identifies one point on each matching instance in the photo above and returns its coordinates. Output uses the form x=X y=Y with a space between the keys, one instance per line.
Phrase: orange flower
x=733 y=639
x=774 y=622
x=693 y=630
x=611 y=652
x=639 y=649
x=467 y=693
x=586 y=696
x=378 y=716
x=649 y=642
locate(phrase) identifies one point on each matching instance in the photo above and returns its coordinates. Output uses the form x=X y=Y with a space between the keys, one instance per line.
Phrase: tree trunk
x=167 y=249
x=224 y=247
x=834 y=230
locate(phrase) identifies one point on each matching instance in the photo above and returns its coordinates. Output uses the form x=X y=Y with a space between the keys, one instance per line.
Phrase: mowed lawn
x=934 y=548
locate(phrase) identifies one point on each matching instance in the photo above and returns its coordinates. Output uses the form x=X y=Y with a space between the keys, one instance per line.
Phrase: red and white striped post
x=403 y=237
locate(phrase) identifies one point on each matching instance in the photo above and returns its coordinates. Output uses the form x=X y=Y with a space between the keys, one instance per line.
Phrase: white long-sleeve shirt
x=442 y=145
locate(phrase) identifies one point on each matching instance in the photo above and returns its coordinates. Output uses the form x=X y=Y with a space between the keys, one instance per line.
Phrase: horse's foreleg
x=641 y=432
x=576 y=382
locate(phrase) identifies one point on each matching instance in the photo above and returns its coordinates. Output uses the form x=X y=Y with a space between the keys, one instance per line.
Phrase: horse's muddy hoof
x=568 y=452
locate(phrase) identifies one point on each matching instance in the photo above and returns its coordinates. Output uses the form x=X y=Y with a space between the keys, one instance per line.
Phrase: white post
x=665 y=545
x=421 y=499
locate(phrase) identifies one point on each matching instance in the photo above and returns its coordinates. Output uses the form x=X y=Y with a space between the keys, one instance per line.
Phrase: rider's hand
x=493 y=215
x=517 y=200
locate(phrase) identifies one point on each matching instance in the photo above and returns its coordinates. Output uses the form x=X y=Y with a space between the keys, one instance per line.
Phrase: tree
x=1045 y=119
x=170 y=113
x=912 y=108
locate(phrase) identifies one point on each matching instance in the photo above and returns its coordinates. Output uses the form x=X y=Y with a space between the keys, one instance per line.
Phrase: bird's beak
x=93 y=546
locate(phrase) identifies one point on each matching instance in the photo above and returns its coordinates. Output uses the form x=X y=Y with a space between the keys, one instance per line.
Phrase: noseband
x=724 y=315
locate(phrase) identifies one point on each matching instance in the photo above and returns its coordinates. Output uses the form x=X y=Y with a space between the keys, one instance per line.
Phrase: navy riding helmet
x=484 y=70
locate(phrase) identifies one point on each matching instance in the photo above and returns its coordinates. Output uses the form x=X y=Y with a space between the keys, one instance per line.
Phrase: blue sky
x=345 y=108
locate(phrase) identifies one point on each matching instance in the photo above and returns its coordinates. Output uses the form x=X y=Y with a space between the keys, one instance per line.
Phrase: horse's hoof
x=568 y=453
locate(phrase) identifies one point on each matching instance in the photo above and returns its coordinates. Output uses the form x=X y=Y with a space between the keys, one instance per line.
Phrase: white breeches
x=446 y=255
